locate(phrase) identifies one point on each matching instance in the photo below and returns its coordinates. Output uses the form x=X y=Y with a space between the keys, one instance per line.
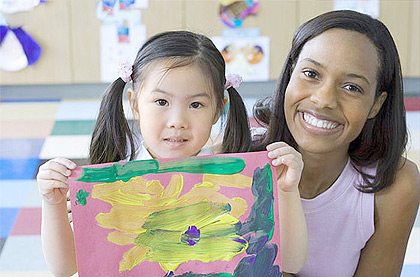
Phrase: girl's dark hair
x=383 y=138
x=179 y=48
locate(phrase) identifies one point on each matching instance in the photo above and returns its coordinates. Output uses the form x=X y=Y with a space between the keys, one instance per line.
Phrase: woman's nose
x=325 y=96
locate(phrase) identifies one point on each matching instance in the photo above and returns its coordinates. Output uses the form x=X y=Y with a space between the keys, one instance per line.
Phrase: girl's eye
x=161 y=102
x=196 y=105
x=353 y=88
x=310 y=74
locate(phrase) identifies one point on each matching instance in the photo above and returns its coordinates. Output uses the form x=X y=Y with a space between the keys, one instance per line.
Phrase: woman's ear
x=133 y=103
x=379 y=101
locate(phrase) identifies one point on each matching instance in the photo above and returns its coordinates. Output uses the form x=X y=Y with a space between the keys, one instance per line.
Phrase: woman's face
x=331 y=92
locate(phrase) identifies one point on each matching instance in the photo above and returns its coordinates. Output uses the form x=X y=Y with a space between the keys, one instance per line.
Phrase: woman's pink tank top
x=340 y=221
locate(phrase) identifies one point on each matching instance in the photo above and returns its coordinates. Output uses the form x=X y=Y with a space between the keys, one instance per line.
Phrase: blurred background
x=58 y=56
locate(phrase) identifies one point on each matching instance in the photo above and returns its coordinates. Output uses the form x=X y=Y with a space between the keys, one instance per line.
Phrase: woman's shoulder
x=404 y=193
x=407 y=180
x=408 y=175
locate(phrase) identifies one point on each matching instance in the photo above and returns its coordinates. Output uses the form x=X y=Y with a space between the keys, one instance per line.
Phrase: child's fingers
x=66 y=162
x=46 y=186
x=55 y=166
x=46 y=175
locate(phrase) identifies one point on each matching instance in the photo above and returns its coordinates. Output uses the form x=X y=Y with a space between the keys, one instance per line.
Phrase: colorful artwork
x=233 y=12
x=120 y=35
x=17 y=6
x=246 y=56
x=199 y=216
x=18 y=50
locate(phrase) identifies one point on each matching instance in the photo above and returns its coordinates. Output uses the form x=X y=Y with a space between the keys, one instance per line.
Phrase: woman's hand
x=52 y=179
x=288 y=163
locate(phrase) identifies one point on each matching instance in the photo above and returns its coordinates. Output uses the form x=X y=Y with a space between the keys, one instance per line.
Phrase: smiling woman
x=326 y=85
x=339 y=102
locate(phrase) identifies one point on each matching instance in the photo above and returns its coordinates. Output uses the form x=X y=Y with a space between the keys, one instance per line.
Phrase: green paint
x=218 y=235
x=214 y=165
x=116 y=172
x=268 y=173
x=82 y=197
x=201 y=213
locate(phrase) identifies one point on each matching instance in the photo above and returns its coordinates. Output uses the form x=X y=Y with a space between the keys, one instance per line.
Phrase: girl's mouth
x=175 y=142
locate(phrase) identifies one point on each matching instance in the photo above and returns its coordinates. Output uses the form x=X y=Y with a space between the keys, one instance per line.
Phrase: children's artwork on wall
x=370 y=7
x=16 y=6
x=233 y=12
x=121 y=34
x=200 y=216
x=18 y=49
x=248 y=57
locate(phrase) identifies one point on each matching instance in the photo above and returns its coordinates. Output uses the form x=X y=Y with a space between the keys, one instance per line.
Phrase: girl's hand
x=53 y=182
x=288 y=163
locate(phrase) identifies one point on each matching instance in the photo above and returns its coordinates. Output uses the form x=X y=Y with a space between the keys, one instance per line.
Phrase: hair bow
x=233 y=80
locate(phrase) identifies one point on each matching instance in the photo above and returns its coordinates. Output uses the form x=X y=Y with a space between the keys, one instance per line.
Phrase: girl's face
x=331 y=92
x=176 y=110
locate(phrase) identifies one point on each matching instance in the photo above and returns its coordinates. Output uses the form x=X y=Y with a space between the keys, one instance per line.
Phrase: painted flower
x=81 y=197
x=169 y=228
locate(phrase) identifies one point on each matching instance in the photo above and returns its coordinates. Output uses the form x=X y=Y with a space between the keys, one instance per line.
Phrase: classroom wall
x=68 y=32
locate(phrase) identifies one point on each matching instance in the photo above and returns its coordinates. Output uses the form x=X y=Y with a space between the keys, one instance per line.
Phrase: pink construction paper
x=96 y=256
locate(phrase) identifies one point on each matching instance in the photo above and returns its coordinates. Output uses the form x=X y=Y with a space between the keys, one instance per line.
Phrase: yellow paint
x=235 y=180
x=121 y=238
x=153 y=218
x=133 y=257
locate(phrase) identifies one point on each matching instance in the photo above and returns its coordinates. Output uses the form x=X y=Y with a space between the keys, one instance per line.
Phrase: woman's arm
x=395 y=211
x=293 y=230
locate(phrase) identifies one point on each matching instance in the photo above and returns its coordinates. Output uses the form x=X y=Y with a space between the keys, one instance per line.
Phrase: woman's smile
x=316 y=125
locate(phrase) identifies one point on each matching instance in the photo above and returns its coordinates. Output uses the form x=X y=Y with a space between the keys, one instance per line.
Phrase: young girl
x=339 y=102
x=177 y=95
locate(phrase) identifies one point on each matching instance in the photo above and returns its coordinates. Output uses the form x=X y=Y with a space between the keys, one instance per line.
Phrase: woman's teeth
x=310 y=119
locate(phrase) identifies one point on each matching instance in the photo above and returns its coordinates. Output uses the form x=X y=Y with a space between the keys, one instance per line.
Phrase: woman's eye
x=310 y=74
x=161 y=102
x=196 y=105
x=353 y=88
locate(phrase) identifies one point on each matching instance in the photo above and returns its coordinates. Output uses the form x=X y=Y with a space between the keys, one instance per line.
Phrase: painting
x=199 y=216
x=246 y=56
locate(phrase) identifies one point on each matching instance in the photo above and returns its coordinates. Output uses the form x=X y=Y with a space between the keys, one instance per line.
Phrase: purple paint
x=242 y=241
x=191 y=236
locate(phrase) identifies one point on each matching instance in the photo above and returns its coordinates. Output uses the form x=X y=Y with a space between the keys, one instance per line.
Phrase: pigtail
x=237 y=137
x=109 y=138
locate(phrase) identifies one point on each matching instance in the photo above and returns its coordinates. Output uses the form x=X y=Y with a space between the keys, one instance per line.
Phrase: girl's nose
x=325 y=96
x=178 y=119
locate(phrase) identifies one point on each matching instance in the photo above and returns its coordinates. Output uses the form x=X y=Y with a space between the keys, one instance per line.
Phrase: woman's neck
x=320 y=172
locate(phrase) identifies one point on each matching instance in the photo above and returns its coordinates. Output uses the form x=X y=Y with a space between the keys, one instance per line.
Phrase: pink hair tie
x=124 y=71
x=233 y=80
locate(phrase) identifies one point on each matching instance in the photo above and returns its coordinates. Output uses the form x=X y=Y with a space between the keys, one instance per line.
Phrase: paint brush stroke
x=124 y=172
x=259 y=228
